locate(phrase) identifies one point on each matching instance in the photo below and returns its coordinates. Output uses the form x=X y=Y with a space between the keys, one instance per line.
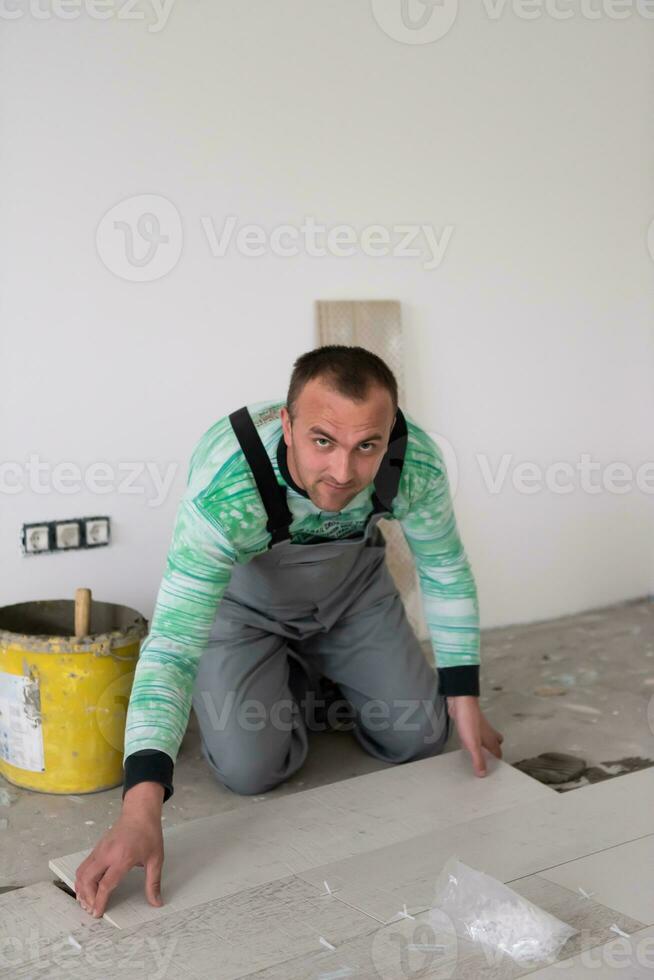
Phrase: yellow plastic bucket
x=63 y=699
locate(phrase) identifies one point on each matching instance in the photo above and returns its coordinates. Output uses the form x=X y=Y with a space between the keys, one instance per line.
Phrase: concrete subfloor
x=600 y=661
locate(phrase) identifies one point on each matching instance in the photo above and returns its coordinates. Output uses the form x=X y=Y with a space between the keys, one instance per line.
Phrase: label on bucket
x=21 y=732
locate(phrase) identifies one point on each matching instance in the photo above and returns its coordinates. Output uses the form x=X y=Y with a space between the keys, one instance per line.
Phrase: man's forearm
x=145 y=797
x=198 y=570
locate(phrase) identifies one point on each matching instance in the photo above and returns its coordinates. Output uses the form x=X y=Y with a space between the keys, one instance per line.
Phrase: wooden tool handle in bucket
x=82 y=613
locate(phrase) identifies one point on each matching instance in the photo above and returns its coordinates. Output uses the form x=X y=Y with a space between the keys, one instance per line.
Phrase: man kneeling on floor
x=276 y=583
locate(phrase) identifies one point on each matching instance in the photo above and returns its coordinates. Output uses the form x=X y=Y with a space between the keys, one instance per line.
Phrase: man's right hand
x=135 y=840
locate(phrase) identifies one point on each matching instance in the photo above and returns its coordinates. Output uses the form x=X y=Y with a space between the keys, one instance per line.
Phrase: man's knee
x=249 y=780
x=432 y=738
x=250 y=763
x=420 y=746
x=413 y=730
x=245 y=772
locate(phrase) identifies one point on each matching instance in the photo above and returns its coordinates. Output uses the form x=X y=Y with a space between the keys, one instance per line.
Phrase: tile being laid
x=439 y=791
x=44 y=934
x=223 y=854
x=507 y=845
x=93 y=957
x=201 y=862
x=388 y=953
x=42 y=911
x=382 y=882
x=259 y=927
x=361 y=814
x=621 y=877
x=593 y=920
x=226 y=938
x=426 y=945
x=536 y=837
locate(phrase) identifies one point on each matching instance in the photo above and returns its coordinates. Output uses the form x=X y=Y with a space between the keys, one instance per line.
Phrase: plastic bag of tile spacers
x=487 y=912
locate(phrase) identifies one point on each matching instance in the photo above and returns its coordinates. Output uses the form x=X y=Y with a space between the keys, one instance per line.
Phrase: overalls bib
x=331 y=605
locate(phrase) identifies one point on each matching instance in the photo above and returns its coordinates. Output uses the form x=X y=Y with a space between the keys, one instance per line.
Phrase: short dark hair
x=351 y=371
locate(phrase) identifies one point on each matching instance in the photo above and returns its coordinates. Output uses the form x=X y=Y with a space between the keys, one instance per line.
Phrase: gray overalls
x=300 y=611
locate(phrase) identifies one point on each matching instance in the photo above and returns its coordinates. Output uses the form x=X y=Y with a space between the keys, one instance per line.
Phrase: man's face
x=335 y=445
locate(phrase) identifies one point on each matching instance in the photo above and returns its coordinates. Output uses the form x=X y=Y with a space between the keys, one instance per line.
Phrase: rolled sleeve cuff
x=149 y=765
x=459 y=681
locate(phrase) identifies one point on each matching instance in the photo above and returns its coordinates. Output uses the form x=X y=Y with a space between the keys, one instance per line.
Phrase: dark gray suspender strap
x=273 y=496
x=387 y=480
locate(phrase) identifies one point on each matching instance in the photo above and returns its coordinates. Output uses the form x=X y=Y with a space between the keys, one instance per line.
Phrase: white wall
x=531 y=138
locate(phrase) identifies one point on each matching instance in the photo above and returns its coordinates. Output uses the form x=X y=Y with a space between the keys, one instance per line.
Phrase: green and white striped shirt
x=221 y=520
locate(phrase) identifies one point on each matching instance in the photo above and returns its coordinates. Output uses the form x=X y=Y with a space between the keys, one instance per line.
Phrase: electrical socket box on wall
x=96 y=531
x=68 y=534
x=73 y=534
x=36 y=538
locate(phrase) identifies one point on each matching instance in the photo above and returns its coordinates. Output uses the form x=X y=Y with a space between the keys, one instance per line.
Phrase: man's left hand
x=474 y=730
